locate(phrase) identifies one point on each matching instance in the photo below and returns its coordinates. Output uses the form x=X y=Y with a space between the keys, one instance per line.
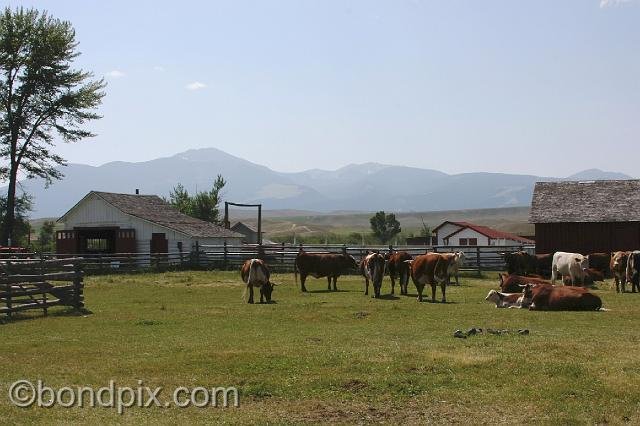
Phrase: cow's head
x=266 y=290
x=527 y=294
x=352 y=263
x=493 y=296
x=583 y=262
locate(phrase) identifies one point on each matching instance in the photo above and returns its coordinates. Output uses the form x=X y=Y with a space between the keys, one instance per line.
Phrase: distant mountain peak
x=597 y=174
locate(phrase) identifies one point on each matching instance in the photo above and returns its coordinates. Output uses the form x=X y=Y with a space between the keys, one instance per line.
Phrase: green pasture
x=328 y=357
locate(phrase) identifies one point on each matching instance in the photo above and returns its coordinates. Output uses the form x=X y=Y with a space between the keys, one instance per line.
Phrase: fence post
x=9 y=290
x=390 y=248
x=224 y=258
x=478 y=260
x=282 y=256
x=77 y=286
x=44 y=293
x=197 y=254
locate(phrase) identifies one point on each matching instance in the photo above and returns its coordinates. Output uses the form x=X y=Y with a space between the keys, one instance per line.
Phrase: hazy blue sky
x=542 y=87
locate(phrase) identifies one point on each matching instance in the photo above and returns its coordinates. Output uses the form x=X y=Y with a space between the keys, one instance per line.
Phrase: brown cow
x=543 y=264
x=600 y=262
x=513 y=283
x=590 y=277
x=544 y=297
x=372 y=269
x=318 y=265
x=398 y=269
x=618 y=267
x=633 y=270
x=255 y=273
x=431 y=268
x=520 y=263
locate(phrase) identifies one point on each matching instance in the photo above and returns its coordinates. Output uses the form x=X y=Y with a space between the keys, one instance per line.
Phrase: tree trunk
x=10 y=214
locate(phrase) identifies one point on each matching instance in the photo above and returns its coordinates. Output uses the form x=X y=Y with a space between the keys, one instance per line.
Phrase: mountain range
x=356 y=187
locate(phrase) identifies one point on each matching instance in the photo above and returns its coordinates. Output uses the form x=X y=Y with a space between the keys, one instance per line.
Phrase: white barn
x=468 y=234
x=106 y=222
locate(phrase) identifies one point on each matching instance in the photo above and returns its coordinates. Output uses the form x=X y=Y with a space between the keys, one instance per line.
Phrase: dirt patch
x=355 y=385
x=361 y=314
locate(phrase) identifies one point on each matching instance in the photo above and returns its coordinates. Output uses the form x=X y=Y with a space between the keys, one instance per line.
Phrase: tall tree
x=203 y=205
x=41 y=97
x=384 y=226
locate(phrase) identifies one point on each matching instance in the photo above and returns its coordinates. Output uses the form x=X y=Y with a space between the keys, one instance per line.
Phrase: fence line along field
x=321 y=356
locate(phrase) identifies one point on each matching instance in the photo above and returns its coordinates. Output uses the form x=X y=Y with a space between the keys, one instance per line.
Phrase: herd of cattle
x=529 y=282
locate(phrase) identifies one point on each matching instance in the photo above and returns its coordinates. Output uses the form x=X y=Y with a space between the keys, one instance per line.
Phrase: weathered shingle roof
x=588 y=201
x=154 y=209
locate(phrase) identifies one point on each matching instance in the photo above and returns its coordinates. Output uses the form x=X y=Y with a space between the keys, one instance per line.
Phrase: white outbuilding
x=106 y=222
x=469 y=234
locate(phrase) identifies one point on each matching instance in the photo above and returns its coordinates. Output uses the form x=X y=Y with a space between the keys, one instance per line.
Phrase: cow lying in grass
x=545 y=297
x=505 y=300
x=255 y=273
x=513 y=283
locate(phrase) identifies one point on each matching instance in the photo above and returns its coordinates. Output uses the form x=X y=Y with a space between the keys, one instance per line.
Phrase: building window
x=463 y=241
x=97 y=244
x=473 y=241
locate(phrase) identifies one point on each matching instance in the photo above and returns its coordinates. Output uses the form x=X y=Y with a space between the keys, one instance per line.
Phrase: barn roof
x=154 y=209
x=586 y=201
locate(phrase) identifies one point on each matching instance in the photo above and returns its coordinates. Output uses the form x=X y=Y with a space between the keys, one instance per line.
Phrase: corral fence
x=27 y=284
x=279 y=257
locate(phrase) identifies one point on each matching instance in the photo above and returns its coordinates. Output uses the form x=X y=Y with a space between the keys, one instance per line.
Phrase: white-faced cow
x=398 y=269
x=618 y=268
x=455 y=265
x=432 y=269
x=318 y=265
x=572 y=264
x=372 y=269
x=255 y=273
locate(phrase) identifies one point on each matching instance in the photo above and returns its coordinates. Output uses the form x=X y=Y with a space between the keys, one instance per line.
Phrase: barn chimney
x=137 y=191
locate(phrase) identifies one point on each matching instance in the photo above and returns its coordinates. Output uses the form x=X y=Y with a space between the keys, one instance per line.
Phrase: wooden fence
x=27 y=284
x=280 y=257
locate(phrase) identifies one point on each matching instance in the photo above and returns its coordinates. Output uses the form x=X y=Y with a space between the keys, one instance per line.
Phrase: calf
x=330 y=265
x=255 y=273
x=544 y=297
x=633 y=270
x=590 y=277
x=398 y=269
x=505 y=300
x=618 y=267
x=432 y=269
x=372 y=269
x=572 y=264
x=513 y=283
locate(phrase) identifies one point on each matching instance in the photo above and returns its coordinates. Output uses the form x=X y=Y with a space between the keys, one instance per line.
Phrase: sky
x=544 y=87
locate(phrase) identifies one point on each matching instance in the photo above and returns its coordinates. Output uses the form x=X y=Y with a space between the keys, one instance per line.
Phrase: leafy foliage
x=203 y=205
x=41 y=97
x=384 y=226
x=46 y=235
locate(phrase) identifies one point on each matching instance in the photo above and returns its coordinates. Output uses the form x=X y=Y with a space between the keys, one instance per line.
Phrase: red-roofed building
x=469 y=234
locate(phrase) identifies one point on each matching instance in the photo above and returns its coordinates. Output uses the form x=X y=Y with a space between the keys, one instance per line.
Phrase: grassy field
x=328 y=357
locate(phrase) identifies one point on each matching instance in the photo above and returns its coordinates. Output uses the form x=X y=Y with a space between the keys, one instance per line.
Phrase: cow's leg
x=250 y=293
x=433 y=292
x=404 y=283
x=335 y=283
x=617 y=281
x=366 y=286
x=457 y=282
x=329 y=283
x=393 y=284
x=554 y=272
x=420 y=288
x=303 y=278
x=443 y=287
x=262 y=294
x=635 y=284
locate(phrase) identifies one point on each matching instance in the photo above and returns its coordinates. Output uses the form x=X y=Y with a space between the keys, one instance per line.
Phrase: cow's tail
x=601 y=309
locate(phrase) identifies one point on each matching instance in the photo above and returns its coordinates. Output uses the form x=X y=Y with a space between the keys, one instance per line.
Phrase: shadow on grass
x=69 y=312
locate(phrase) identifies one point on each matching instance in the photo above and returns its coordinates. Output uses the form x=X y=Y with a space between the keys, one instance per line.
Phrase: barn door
x=66 y=242
x=159 y=243
x=126 y=241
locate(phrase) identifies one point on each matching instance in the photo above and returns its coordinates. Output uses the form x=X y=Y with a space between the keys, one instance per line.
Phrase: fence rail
x=280 y=257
